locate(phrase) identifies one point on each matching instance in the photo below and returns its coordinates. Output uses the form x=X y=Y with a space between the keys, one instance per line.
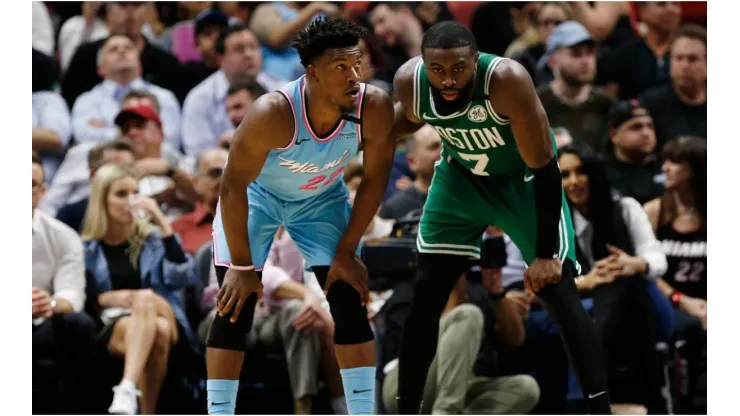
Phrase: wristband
x=548 y=189
x=495 y=297
x=241 y=268
x=676 y=298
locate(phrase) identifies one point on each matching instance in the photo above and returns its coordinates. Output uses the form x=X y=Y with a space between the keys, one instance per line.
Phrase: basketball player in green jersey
x=498 y=167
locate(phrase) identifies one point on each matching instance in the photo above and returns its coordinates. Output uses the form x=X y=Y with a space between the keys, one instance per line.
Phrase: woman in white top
x=620 y=257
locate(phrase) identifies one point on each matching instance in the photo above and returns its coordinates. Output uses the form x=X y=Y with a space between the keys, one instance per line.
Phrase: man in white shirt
x=62 y=331
x=204 y=112
x=119 y=64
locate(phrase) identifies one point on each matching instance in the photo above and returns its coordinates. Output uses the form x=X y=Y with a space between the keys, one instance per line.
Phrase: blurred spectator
x=239 y=99
x=42 y=36
x=399 y=31
x=137 y=266
x=276 y=23
x=679 y=219
x=294 y=315
x=562 y=136
x=81 y=29
x=369 y=69
x=204 y=112
x=464 y=377
x=94 y=111
x=424 y=149
x=492 y=24
x=181 y=39
x=45 y=72
x=680 y=109
x=162 y=171
x=523 y=15
x=430 y=13
x=118 y=152
x=571 y=100
x=607 y=21
x=378 y=227
x=549 y=16
x=633 y=166
x=195 y=228
x=643 y=63
x=158 y=67
x=62 y=332
x=619 y=255
x=51 y=129
x=207 y=27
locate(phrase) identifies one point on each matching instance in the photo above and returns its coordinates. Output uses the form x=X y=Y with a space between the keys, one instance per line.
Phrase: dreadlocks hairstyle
x=447 y=35
x=324 y=34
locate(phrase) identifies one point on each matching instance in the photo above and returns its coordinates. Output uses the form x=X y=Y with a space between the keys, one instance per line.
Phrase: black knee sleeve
x=232 y=336
x=350 y=317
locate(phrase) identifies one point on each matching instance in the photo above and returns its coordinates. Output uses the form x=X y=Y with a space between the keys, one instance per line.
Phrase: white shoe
x=125 y=400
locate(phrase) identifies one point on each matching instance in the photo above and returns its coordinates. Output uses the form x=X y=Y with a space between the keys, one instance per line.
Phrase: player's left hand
x=349 y=268
x=542 y=272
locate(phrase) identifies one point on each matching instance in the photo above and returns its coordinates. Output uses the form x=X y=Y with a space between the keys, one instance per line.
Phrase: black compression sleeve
x=548 y=186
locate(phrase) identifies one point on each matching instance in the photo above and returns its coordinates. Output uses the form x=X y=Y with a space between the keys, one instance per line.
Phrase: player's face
x=676 y=173
x=689 y=63
x=451 y=73
x=637 y=135
x=337 y=72
x=117 y=200
x=575 y=180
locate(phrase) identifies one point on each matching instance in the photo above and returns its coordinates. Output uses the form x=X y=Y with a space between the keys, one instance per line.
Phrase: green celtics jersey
x=476 y=136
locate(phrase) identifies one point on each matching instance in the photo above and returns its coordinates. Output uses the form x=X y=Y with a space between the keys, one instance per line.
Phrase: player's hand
x=349 y=268
x=237 y=287
x=41 y=303
x=695 y=307
x=542 y=272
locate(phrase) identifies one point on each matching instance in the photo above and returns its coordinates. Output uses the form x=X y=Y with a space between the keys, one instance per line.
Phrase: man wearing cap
x=94 y=111
x=633 y=167
x=570 y=99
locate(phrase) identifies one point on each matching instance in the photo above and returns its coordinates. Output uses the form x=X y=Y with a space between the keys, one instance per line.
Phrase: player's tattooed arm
x=268 y=125
x=377 y=160
x=405 y=122
x=512 y=94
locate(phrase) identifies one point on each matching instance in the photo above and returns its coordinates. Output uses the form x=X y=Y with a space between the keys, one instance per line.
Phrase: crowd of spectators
x=134 y=107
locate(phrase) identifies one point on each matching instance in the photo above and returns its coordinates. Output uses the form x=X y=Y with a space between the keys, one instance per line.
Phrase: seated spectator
x=679 y=219
x=51 y=129
x=378 y=227
x=276 y=23
x=399 y=32
x=570 y=99
x=138 y=267
x=42 y=29
x=369 y=65
x=89 y=26
x=204 y=113
x=239 y=99
x=523 y=15
x=157 y=66
x=45 y=74
x=162 y=176
x=424 y=149
x=562 y=136
x=640 y=64
x=632 y=163
x=619 y=255
x=118 y=152
x=62 y=331
x=548 y=16
x=464 y=377
x=430 y=13
x=195 y=228
x=608 y=21
x=205 y=30
x=294 y=315
x=94 y=111
x=680 y=108
x=72 y=181
x=181 y=39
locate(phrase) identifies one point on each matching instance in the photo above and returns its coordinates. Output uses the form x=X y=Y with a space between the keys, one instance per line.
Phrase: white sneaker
x=125 y=400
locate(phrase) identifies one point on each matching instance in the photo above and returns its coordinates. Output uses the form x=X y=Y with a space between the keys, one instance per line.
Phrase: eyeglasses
x=215 y=173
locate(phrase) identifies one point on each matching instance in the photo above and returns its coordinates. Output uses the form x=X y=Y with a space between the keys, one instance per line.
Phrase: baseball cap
x=210 y=17
x=565 y=35
x=138 y=110
x=625 y=111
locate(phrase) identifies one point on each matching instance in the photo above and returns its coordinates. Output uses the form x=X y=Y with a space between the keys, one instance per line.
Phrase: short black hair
x=248 y=84
x=225 y=33
x=95 y=155
x=324 y=34
x=447 y=35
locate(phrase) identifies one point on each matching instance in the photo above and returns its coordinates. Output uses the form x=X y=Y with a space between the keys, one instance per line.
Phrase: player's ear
x=311 y=72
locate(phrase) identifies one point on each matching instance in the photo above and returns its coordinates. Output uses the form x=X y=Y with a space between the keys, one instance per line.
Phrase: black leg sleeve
x=437 y=275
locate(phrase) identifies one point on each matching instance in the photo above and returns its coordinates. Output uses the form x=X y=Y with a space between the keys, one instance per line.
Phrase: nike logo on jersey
x=591 y=396
x=299 y=141
x=426 y=117
x=360 y=391
x=528 y=178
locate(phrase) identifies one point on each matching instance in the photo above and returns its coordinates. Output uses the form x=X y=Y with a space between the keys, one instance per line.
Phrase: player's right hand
x=238 y=285
x=541 y=273
x=349 y=268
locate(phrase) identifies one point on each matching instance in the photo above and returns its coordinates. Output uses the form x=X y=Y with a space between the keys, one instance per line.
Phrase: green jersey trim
x=489 y=72
x=417 y=89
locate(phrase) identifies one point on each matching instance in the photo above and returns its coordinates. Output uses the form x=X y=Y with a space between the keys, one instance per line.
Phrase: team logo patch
x=477 y=114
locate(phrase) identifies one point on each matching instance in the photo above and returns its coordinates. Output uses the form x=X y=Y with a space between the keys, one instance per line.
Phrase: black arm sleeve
x=548 y=187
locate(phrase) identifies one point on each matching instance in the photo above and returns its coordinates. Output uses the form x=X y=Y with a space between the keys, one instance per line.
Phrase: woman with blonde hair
x=137 y=269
